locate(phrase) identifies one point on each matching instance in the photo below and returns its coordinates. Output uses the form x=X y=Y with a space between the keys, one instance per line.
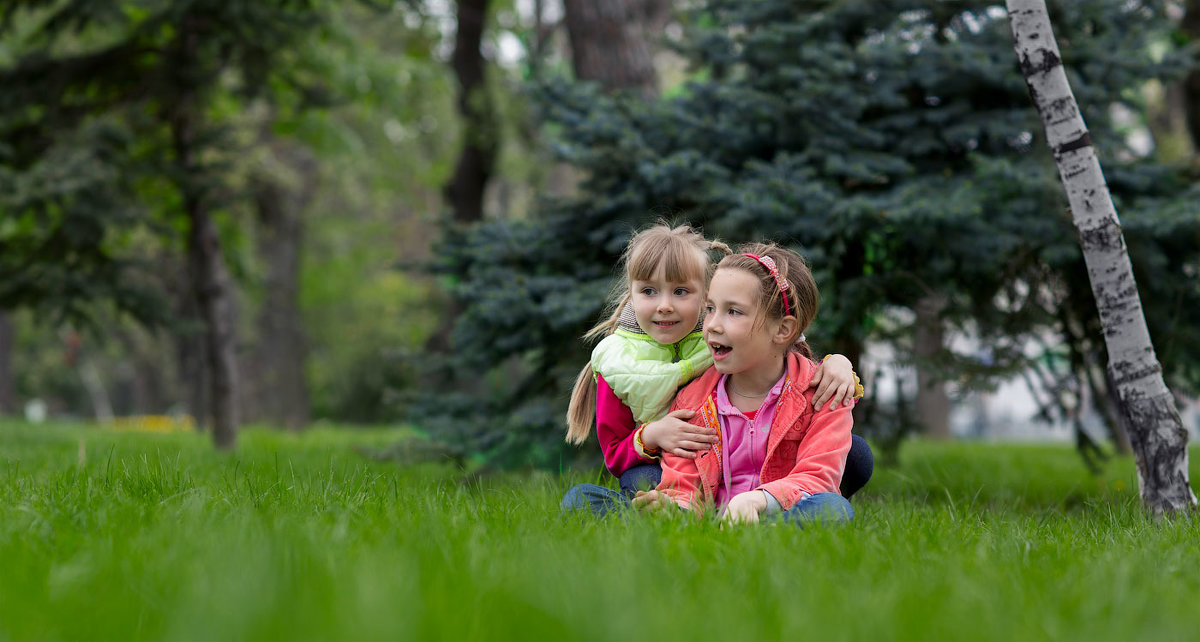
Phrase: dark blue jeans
x=860 y=464
x=820 y=508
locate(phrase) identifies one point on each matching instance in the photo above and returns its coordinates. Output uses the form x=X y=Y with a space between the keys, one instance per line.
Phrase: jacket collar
x=800 y=371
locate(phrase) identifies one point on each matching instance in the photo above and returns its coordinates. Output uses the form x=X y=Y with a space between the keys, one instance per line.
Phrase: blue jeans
x=860 y=463
x=820 y=508
x=643 y=477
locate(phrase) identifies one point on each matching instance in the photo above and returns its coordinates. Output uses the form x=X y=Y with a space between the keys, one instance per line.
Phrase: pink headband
x=769 y=263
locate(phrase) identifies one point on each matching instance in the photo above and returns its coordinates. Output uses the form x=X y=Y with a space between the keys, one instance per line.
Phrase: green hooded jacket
x=644 y=373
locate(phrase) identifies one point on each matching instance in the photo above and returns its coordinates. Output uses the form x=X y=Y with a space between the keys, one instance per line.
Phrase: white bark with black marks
x=1155 y=430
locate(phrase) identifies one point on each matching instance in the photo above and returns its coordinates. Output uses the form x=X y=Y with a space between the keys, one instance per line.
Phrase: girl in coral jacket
x=778 y=454
x=653 y=345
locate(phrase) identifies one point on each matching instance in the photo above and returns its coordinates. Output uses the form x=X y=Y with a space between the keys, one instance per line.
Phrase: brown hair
x=683 y=253
x=802 y=295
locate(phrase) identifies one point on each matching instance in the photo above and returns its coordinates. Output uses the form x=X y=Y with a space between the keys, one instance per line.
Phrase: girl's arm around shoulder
x=835 y=382
x=820 y=457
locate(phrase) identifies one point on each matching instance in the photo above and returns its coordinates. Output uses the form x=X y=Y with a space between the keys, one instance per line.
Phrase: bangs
x=681 y=261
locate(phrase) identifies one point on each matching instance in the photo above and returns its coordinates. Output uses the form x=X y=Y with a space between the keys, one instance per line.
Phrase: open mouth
x=719 y=350
x=665 y=325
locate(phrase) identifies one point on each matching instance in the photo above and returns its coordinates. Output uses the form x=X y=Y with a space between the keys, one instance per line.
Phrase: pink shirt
x=614 y=430
x=744 y=440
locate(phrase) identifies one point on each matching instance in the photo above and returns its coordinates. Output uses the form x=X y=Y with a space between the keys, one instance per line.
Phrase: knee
x=864 y=459
x=643 y=477
x=822 y=508
x=574 y=499
x=860 y=464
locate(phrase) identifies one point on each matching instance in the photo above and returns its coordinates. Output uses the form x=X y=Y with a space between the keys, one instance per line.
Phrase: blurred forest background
x=284 y=212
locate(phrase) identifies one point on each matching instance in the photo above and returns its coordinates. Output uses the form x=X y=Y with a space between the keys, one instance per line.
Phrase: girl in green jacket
x=652 y=345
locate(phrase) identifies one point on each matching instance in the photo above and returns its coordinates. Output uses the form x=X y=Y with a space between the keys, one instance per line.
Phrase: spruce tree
x=891 y=142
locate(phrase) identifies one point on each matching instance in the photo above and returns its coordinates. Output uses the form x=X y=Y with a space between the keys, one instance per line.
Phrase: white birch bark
x=1156 y=433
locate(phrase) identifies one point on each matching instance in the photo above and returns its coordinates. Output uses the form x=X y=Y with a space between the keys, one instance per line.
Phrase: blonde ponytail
x=582 y=410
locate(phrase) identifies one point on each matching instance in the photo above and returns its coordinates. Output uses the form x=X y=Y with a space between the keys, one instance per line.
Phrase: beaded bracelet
x=640 y=446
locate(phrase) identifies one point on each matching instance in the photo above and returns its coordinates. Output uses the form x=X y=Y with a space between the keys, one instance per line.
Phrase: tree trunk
x=477 y=159
x=282 y=393
x=212 y=297
x=188 y=337
x=1190 y=25
x=210 y=281
x=933 y=405
x=609 y=41
x=8 y=388
x=1155 y=430
x=97 y=392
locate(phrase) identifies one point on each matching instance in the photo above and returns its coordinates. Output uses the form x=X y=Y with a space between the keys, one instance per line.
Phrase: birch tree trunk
x=1156 y=432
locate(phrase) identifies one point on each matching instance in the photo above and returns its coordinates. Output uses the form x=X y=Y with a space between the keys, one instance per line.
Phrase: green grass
x=150 y=537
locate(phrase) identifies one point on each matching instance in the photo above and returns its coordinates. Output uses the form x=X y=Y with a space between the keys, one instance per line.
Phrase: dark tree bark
x=1191 y=84
x=211 y=284
x=476 y=161
x=206 y=264
x=280 y=388
x=187 y=334
x=8 y=388
x=610 y=41
x=1156 y=431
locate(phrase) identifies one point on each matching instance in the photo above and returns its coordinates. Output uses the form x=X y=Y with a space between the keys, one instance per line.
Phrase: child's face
x=730 y=331
x=667 y=311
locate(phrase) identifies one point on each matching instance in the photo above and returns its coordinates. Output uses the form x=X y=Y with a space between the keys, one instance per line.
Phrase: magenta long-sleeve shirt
x=614 y=429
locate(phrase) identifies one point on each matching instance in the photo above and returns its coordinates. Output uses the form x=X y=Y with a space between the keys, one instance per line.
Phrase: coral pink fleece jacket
x=806 y=449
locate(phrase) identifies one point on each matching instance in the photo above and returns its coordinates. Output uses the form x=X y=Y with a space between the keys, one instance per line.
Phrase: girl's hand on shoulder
x=673 y=434
x=652 y=501
x=834 y=381
x=746 y=507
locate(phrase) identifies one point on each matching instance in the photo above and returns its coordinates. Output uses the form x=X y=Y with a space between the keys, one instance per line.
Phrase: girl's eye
x=708 y=309
x=735 y=312
x=648 y=291
x=681 y=291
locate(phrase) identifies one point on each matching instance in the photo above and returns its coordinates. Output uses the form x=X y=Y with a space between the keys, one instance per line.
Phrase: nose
x=710 y=323
x=665 y=304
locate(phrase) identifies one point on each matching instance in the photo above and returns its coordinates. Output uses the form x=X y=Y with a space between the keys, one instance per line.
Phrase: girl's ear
x=785 y=331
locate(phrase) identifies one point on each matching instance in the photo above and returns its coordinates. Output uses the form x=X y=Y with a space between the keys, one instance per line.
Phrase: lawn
x=133 y=536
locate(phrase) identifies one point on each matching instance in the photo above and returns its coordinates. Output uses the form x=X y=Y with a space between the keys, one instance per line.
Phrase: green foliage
x=892 y=142
x=297 y=537
x=92 y=197
x=67 y=236
x=88 y=168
